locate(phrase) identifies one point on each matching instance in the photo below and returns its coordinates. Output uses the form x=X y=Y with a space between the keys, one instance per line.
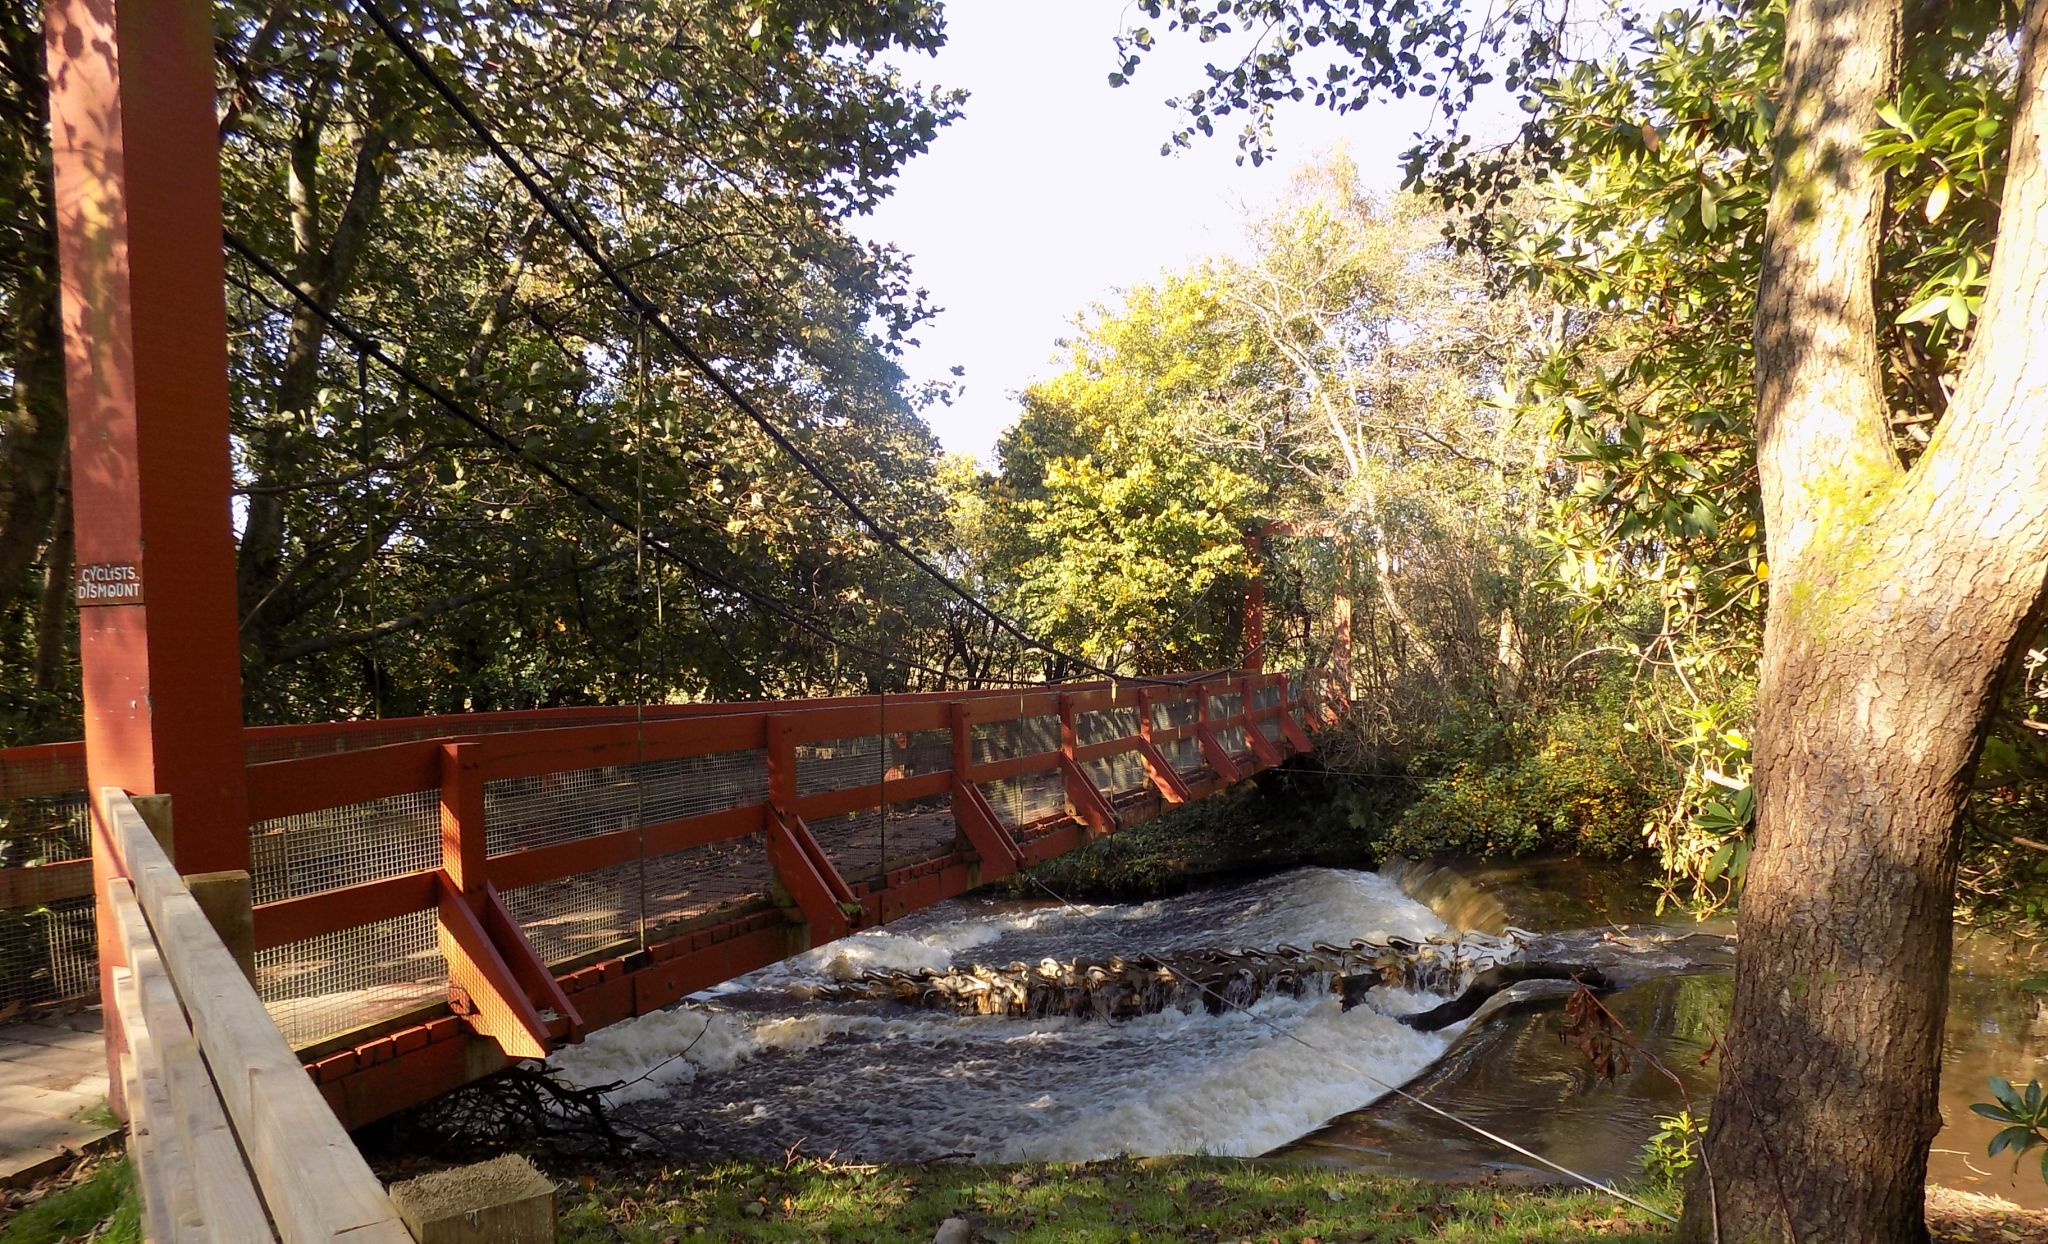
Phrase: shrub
x=1570 y=782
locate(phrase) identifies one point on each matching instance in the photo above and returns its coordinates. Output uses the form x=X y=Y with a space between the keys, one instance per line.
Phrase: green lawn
x=1200 y=1199
x=101 y=1205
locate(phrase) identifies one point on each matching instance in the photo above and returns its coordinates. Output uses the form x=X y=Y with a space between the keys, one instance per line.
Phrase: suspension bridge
x=294 y=930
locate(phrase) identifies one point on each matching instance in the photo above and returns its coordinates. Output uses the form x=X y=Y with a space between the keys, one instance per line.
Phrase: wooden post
x=228 y=900
x=464 y=844
x=1084 y=799
x=496 y=980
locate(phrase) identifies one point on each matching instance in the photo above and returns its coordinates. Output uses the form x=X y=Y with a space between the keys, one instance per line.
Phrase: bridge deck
x=53 y=1077
x=436 y=896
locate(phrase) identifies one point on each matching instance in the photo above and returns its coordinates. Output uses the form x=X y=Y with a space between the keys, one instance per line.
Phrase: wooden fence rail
x=230 y=1140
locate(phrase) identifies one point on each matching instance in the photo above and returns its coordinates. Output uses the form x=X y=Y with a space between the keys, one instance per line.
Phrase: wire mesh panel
x=334 y=847
x=1174 y=713
x=1265 y=697
x=697 y=785
x=920 y=752
x=539 y=811
x=920 y=830
x=45 y=828
x=1021 y=801
x=1023 y=736
x=47 y=953
x=579 y=916
x=1185 y=755
x=863 y=760
x=853 y=842
x=697 y=883
x=336 y=982
x=1118 y=774
x=837 y=764
x=1105 y=725
x=1272 y=731
x=1233 y=741
x=1225 y=705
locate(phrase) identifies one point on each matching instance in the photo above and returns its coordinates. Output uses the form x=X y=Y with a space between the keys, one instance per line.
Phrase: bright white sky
x=1050 y=193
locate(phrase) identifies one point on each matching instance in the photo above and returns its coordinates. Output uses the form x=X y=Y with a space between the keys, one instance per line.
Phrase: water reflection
x=1514 y=1074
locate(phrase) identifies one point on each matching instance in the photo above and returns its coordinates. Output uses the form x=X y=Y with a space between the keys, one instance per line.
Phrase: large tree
x=1902 y=586
x=394 y=560
x=1900 y=601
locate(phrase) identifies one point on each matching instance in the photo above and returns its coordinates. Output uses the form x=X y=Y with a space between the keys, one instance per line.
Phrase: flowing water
x=1512 y=1071
x=768 y=1066
x=764 y=1064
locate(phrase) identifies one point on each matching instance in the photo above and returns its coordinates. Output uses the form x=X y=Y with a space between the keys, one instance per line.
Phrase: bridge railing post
x=496 y=981
x=1205 y=731
x=1084 y=799
x=801 y=868
x=465 y=845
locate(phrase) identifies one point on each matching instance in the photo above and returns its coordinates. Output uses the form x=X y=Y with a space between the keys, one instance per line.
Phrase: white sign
x=109 y=583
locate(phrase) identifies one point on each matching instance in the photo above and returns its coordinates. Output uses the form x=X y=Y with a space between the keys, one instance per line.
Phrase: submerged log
x=1497 y=980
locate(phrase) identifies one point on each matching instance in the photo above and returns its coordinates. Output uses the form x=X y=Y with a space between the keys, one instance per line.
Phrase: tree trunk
x=1899 y=605
x=56 y=632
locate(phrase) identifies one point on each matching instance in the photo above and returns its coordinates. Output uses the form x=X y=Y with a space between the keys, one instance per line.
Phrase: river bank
x=1148 y=1199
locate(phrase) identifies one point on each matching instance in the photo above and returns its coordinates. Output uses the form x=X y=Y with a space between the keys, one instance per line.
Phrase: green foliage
x=2025 y=1116
x=104 y=1207
x=390 y=560
x=1633 y=197
x=1117 y=525
x=1672 y=1149
x=1565 y=783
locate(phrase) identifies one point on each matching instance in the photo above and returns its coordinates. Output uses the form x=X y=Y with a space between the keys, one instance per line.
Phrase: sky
x=1050 y=194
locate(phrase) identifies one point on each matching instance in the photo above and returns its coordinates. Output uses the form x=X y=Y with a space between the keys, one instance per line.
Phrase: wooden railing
x=229 y=1138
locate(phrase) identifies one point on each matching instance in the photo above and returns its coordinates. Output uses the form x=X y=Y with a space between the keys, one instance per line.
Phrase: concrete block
x=502 y=1201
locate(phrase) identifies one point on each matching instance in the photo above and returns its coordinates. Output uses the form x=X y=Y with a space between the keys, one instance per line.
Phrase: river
x=765 y=1064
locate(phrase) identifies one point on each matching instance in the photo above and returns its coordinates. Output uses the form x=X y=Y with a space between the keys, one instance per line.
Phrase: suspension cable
x=651 y=312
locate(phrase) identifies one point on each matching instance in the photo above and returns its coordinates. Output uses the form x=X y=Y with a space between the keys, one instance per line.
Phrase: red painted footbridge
x=434 y=897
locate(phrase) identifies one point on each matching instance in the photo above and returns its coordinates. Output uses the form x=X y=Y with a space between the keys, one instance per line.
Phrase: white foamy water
x=764 y=1066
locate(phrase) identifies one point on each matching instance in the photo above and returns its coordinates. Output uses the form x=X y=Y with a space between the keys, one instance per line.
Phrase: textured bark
x=33 y=427
x=1899 y=604
x=324 y=267
x=56 y=632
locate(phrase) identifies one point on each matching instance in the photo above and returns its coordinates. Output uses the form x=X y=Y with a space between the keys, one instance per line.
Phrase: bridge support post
x=1164 y=777
x=1083 y=796
x=801 y=867
x=1205 y=733
x=135 y=157
x=496 y=981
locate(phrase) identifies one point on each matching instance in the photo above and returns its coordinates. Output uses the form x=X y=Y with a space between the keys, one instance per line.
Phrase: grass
x=1122 y=1200
x=101 y=1203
